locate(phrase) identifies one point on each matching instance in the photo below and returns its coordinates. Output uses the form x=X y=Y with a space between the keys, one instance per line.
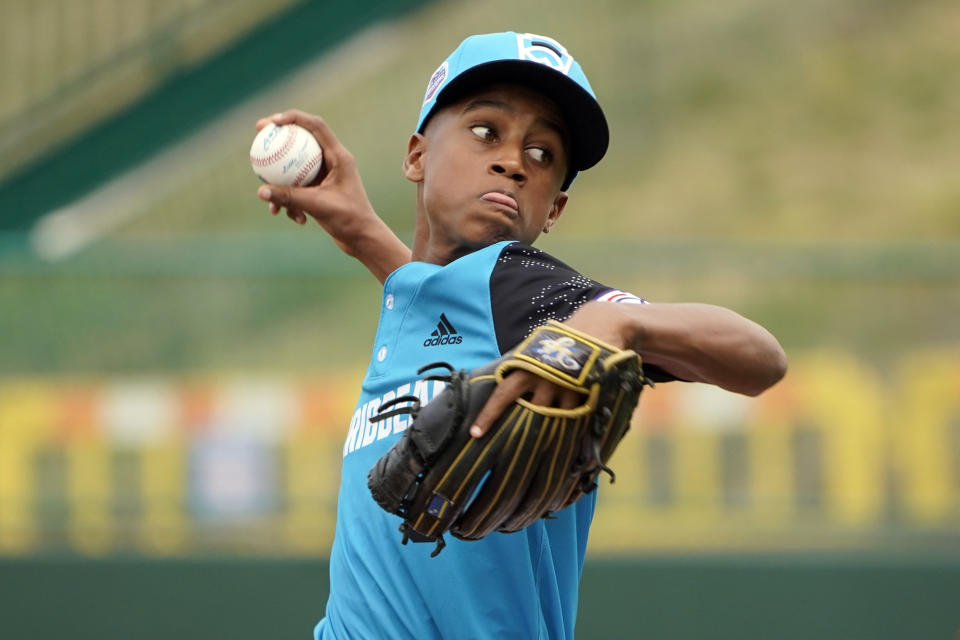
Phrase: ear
x=413 y=161
x=558 y=204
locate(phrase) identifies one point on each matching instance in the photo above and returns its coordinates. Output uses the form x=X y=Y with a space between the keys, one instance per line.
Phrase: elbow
x=780 y=368
x=772 y=371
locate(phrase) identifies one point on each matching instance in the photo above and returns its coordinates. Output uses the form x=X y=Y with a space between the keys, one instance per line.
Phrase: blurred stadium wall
x=250 y=465
x=177 y=367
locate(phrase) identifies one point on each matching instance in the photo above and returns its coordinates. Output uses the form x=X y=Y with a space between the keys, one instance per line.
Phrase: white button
x=382 y=354
x=389 y=301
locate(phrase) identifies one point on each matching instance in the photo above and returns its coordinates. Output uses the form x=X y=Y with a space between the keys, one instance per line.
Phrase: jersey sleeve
x=529 y=287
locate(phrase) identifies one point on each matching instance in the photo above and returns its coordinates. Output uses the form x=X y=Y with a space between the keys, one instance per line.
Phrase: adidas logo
x=443 y=334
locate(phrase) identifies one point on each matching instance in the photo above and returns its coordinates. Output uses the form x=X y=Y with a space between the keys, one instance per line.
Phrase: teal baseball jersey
x=519 y=585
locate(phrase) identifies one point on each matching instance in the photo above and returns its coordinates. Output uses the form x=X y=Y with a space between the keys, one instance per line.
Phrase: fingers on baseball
x=297 y=216
x=312 y=123
x=262 y=122
x=278 y=198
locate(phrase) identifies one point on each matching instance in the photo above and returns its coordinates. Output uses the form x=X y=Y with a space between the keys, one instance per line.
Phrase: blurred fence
x=837 y=455
x=69 y=63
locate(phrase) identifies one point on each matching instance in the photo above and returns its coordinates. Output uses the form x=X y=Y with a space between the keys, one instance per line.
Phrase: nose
x=509 y=163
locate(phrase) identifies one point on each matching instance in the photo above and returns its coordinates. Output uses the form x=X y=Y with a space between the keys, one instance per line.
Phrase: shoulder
x=516 y=255
x=522 y=266
x=529 y=286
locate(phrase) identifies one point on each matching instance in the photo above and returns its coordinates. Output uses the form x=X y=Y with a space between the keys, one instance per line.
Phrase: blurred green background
x=177 y=367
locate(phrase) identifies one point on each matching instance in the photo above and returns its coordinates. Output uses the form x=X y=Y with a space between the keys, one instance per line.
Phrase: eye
x=484 y=132
x=539 y=154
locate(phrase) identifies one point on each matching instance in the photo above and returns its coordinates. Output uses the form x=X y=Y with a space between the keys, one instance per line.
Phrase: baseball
x=285 y=155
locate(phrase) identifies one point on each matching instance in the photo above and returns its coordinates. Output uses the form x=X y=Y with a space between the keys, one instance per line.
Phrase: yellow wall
x=838 y=454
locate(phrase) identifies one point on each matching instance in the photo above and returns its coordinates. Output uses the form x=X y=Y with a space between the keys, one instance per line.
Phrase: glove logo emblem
x=561 y=352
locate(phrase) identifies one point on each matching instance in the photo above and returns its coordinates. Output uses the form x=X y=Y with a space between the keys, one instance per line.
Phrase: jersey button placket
x=389 y=302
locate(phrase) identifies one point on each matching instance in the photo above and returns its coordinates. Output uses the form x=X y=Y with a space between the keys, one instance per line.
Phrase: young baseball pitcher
x=506 y=123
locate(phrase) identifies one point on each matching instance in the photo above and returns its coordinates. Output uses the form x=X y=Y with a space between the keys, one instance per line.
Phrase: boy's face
x=489 y=168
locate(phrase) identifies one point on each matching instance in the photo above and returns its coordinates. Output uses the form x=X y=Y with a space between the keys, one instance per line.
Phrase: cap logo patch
x=545 y=51
x=436 y=81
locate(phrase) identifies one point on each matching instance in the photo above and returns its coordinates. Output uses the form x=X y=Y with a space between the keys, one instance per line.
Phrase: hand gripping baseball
x=533 y=461
x=337 y=200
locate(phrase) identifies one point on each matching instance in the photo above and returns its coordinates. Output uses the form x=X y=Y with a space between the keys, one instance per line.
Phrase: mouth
x=504 y=201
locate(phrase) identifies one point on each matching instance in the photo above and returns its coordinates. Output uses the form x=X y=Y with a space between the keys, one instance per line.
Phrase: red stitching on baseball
x=262 y=161
x=306 y=168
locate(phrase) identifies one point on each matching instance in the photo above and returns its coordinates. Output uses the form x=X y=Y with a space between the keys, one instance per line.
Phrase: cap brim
x=584 y=118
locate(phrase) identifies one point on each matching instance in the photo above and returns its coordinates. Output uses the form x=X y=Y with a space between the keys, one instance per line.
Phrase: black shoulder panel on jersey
x=529 y=287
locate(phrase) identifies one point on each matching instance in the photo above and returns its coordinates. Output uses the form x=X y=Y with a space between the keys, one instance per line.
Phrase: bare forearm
x=695 y=342
x=376 y=246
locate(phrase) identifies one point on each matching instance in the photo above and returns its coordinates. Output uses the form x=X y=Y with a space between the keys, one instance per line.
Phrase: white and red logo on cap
x=544 y=50
x=436 y=81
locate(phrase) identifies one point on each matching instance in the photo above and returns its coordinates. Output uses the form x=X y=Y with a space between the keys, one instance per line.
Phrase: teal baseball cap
x=537 y=62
